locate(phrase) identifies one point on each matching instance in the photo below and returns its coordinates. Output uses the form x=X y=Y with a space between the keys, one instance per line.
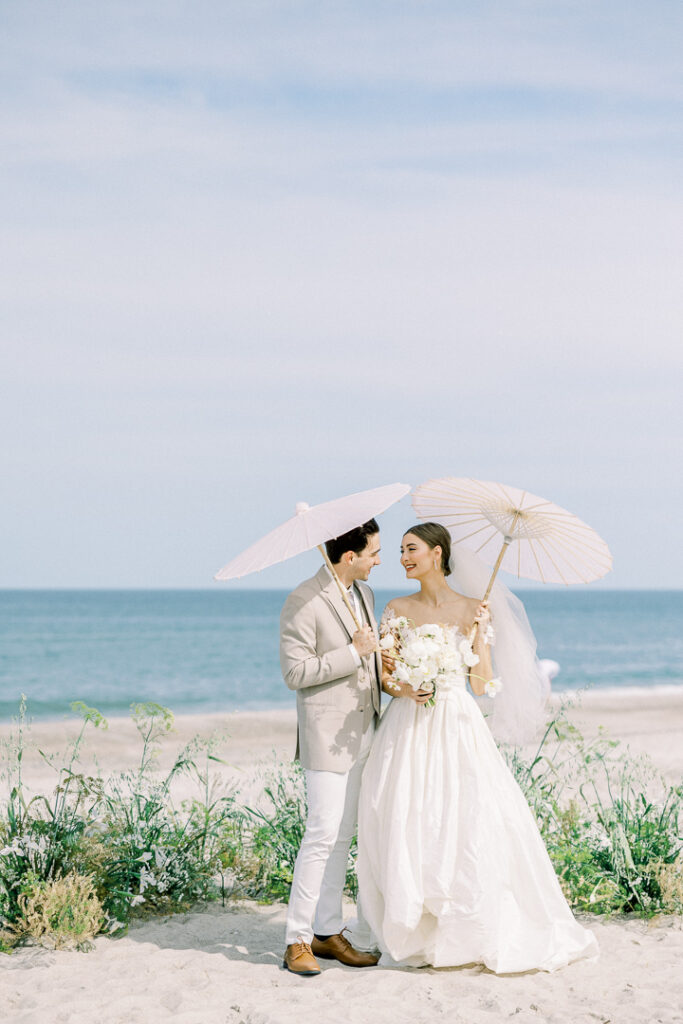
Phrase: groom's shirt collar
x=351 y=592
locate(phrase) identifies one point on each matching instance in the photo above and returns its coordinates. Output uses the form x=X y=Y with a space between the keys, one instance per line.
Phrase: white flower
x=402 y=672
x=398 y=623
x=468 y=655
x=137 y=899
x=493 y=687
x=451 y=659
x=95 y=828
x=417 y=677
x=435 y=633
x=422 y=649
x=388 y=642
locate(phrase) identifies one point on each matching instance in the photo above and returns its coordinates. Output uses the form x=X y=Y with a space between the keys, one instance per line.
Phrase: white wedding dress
x=451 y=866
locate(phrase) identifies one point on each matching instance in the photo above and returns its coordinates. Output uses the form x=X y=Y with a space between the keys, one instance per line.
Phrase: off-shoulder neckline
x=441 y=625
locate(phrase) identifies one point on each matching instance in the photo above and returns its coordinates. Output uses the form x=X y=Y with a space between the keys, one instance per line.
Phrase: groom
x=335 y=669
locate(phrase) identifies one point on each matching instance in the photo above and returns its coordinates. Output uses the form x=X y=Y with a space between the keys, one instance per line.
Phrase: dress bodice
x=431 y=654
x=437 y=655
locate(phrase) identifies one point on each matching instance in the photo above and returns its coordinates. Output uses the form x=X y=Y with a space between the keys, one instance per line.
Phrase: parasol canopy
x=310 y=527
x=540 y=540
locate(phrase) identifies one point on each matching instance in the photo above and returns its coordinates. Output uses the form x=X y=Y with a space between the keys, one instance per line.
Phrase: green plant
x=159 y=855
x=84 y=858
x=64 y=913
x=41 y=836
x=614 y=847
x=124 y=833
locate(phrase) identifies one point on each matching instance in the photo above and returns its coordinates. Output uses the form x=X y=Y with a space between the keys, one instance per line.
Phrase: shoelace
x=301 y=947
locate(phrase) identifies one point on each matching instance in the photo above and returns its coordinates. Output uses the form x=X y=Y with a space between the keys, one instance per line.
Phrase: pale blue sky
x=255 y=253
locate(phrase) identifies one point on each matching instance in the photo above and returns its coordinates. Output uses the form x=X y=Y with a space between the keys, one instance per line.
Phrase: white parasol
x=310 y=527
x=540 y=540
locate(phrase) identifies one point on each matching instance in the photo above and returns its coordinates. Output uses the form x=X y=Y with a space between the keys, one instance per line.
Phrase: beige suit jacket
x=336 y=700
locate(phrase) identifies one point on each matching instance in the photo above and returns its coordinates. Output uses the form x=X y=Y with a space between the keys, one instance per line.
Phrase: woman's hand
x=388 y=665
x=419 y=696
x=400 y=689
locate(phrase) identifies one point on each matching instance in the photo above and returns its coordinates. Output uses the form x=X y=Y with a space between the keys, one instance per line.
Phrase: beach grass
x=101 y=850
x=610 y=822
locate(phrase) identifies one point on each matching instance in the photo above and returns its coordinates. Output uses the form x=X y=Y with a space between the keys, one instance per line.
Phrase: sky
x=263 y=252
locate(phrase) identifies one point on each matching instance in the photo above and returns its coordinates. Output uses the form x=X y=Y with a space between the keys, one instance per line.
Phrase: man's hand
x=365 y=641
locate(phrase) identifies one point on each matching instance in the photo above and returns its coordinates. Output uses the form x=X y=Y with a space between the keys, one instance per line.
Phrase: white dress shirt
x=352 y=595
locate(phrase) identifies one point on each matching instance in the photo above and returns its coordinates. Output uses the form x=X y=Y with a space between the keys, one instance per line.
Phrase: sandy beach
x=223 y=964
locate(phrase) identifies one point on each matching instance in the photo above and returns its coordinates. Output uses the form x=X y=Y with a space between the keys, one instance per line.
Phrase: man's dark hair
x=355 y=540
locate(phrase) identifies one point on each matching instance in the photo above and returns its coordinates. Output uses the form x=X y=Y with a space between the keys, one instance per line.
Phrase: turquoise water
x=210 y=650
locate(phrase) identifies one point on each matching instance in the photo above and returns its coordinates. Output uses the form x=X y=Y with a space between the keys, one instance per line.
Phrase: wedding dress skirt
x=451 y=866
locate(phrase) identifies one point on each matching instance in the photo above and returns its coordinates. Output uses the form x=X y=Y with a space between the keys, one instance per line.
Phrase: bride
x=451 y=866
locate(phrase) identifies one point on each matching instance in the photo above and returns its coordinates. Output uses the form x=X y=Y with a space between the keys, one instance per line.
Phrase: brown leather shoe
x=299 y=959
x=338 y=947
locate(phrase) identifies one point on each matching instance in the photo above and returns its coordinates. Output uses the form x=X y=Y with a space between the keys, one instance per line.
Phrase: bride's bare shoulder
x=402 y=605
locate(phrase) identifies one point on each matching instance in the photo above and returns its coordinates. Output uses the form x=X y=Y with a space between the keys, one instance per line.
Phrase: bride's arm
x=482 y=673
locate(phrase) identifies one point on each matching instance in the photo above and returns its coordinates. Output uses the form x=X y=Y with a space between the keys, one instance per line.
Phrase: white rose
x=388 y=642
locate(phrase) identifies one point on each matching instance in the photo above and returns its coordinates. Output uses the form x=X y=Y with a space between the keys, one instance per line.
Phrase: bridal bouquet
x=430 y=657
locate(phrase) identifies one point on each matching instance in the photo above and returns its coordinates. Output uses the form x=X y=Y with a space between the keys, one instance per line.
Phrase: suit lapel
x=376 y=690
x=330 y=592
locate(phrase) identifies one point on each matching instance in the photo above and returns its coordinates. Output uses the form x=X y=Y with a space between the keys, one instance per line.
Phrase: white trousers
x=315 y=900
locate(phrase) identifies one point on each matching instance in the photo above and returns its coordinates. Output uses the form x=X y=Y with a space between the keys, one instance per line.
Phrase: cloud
x=258 y=252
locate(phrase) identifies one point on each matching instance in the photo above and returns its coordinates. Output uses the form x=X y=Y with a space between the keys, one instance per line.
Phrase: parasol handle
x=342 y=591
x=506 y=543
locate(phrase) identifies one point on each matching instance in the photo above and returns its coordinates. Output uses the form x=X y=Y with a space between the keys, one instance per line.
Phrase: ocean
x=217 y=650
